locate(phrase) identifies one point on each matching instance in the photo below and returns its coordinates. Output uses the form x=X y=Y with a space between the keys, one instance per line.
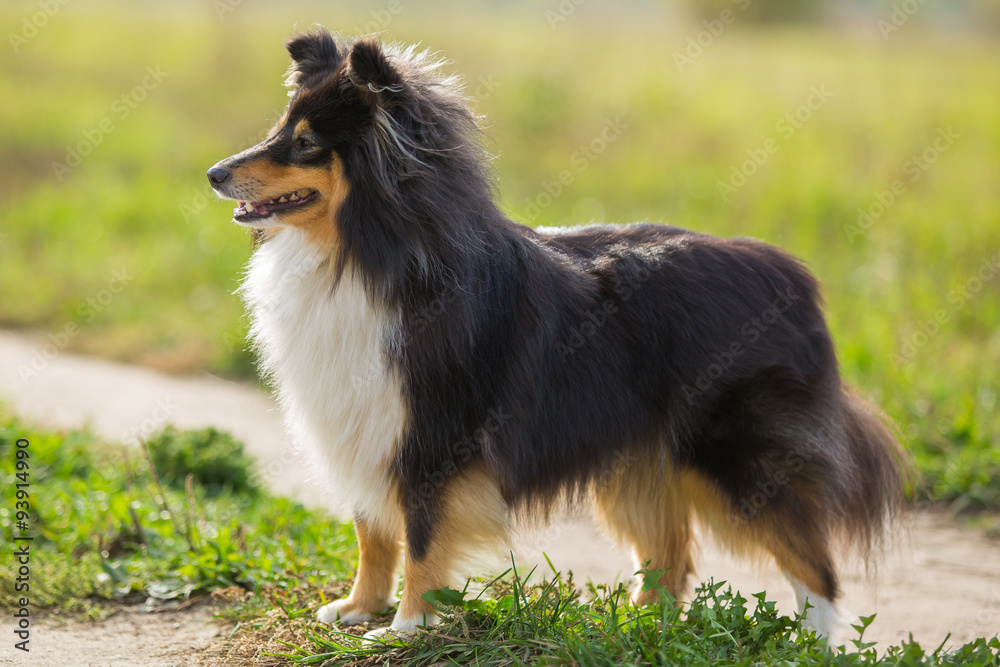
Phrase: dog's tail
x=880 y=472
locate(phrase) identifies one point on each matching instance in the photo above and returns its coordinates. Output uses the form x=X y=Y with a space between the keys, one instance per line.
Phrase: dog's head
x=361 y=116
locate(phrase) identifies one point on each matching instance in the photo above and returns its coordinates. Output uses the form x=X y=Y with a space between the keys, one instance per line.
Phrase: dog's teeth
x=282 y=200
x=249 y=207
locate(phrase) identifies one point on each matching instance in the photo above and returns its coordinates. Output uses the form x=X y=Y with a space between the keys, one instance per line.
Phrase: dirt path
x=941 y=579
x=130 y=637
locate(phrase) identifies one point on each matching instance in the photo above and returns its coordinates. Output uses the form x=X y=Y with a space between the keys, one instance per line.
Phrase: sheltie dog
x=459 y=373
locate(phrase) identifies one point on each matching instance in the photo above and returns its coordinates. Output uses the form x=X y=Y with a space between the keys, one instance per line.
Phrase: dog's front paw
x=344 y=612
x=403 y=626
x=383 y=634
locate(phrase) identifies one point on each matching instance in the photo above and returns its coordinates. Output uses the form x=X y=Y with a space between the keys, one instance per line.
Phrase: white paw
x=822 y=615
x=403 y=626
x=335 y=614
x=382 y=634
x=411 y=624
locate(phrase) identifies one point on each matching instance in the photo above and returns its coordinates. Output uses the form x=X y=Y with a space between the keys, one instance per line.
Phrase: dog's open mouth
x=262 y=209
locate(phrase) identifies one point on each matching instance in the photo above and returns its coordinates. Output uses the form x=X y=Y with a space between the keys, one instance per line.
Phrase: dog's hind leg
x=375 y=583
x=789 y=521
x=791 y=526
x=643 y=506
x=804 y=555
x=822 y=615
x=469 y=516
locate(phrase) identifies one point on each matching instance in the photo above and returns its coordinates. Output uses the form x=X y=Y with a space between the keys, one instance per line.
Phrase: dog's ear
x=311 y=52
x=371 y=72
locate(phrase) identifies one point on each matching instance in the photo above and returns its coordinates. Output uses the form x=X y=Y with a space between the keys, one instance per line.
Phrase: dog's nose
x=217 y=175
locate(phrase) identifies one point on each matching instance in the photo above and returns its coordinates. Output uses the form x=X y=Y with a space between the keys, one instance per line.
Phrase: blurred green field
x=128 y=256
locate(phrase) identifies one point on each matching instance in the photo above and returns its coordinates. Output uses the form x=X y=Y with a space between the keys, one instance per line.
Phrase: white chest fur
x=325 y=350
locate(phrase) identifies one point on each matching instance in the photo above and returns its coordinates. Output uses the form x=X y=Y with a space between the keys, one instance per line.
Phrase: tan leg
x=791 y=531
x=804 y=555
x=432 y=572
x=473 y=518
x=644 y=507
x=668 y=550
x=375 y=583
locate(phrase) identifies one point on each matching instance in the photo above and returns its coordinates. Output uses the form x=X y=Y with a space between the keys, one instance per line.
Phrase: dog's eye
x=302 y=143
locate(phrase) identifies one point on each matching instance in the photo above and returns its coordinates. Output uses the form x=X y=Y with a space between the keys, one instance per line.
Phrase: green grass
x=513 y=622
x=110 y=528
x=549 y=624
